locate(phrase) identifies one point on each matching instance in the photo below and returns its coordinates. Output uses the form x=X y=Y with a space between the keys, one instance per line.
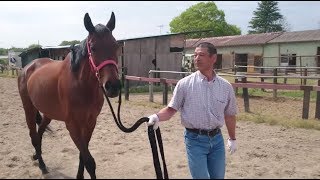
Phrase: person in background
x=206 y=102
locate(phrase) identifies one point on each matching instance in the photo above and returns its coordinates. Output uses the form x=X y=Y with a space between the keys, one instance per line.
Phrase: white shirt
x=203 y=103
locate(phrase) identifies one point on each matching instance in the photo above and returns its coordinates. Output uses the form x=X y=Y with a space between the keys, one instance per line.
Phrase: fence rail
x=243 y=84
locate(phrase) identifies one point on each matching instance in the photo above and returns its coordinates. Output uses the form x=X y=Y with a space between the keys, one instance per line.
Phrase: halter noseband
x=95 y=68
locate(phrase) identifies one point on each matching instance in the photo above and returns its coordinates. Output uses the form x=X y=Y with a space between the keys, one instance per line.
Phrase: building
x=266 y=49
x=294 y=49
x=138 y=55
x=53 y=52
x=163 y=52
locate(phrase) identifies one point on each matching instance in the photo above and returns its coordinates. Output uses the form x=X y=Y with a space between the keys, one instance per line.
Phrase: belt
x=210 y=133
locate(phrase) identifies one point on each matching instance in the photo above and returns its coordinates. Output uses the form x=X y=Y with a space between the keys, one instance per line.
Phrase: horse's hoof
x=34 y=157
x=80 y=177
x=44 y=171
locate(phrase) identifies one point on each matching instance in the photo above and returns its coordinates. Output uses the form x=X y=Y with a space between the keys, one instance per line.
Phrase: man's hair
x=211 y=49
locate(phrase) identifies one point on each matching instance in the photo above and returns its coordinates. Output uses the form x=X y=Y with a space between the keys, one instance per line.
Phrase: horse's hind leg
x=35 y=138
x=30 y=113
x=39 y=120
x=44 y=123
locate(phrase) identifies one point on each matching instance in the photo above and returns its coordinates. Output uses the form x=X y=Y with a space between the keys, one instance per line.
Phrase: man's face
x=202 y=59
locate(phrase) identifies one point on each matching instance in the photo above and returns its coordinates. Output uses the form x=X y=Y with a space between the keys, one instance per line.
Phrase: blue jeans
x=206 y=155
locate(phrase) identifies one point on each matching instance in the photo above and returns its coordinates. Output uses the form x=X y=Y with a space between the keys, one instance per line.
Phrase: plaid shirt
x=203 y=103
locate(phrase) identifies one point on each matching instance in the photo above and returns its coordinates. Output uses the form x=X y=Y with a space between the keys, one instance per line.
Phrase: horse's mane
x=77 y=53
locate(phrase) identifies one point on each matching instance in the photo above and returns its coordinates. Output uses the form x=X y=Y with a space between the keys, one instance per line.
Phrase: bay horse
x=70 y=90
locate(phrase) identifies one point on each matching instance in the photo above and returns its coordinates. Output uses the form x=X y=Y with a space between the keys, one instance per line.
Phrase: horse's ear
x=112 y=22
x=88 y=24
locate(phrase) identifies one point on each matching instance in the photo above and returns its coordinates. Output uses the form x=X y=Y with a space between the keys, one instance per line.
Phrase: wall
x=139 y=53
x=228 y=53
x=30 y=56
x=298 y=48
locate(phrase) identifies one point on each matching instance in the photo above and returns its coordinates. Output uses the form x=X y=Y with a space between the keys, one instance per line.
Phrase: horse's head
x=102 y=51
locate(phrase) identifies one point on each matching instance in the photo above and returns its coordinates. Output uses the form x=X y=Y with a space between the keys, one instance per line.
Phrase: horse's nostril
x=107 y=86
x=115 y=86
x=118 y=84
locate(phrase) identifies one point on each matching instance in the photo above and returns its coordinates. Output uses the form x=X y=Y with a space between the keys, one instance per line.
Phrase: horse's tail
x=39 y=119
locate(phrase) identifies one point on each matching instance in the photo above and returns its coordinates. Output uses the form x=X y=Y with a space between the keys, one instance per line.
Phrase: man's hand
x=232 y=145
x=153 y=120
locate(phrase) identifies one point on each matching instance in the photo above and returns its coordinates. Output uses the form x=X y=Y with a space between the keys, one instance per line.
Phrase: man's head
x=205 y=55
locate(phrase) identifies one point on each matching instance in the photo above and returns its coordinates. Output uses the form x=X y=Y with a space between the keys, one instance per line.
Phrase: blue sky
x=51 y=22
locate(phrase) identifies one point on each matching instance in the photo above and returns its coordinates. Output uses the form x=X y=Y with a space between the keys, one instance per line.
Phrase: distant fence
x=5 y=69
x=237 y=84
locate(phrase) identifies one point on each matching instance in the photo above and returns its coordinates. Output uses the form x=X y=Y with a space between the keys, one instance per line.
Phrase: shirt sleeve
x=231 y=108
x=177 y=99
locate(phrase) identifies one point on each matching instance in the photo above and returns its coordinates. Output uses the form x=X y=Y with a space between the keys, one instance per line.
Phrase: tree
x=33 y=46
x=15 y=49
x=3 y=51
x=64 y=43
x=267 y=18
x=200 y=17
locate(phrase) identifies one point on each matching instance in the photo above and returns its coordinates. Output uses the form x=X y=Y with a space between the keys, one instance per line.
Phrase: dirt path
x=263 y=151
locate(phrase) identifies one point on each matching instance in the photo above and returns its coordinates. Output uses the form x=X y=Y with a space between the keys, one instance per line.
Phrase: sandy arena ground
x=263 y=151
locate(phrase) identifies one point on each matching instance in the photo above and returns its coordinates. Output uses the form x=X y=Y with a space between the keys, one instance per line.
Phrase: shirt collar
x=203 y=77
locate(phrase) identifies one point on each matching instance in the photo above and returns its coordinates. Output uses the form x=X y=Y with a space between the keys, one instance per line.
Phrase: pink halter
x=104 y=63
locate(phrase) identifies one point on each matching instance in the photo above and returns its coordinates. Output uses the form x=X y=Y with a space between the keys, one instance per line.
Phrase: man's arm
x=166 y=113
x=231 y=126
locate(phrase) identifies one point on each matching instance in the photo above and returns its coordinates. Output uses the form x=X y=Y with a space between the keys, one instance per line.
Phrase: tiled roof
x=298 y=36
x=249 y=39
x=258 y=39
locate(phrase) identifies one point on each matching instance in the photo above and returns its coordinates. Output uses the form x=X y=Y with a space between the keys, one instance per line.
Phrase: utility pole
x=160 y=26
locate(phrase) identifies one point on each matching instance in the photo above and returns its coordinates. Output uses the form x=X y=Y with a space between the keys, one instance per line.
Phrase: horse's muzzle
x=112 y=88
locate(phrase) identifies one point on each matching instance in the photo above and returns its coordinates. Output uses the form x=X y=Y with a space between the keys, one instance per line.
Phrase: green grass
x=292 y=94
x=145 y=89
x=273 y=120
x=255 y=117
x=8 y=74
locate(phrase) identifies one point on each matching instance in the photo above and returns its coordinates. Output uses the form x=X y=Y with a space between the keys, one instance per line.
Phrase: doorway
x=241 y=60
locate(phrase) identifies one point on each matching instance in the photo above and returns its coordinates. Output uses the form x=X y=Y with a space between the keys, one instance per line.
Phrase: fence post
x=306 y=101
x=235 y=79
x=150 y=89
x=123 y=75
x=317 y=115
x=158 y=76
x=245 y=95
x=126 y=89
x=262 y=79
x=305 y=74
x=275 y=73
x=286 y=74
x=164 y=91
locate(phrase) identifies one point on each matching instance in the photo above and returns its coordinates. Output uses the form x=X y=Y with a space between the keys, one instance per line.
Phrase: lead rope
x=151 y=135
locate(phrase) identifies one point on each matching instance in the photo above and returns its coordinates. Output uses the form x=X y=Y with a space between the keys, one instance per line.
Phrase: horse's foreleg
x=90 y=165
x=81 y=168
x=85 y=159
